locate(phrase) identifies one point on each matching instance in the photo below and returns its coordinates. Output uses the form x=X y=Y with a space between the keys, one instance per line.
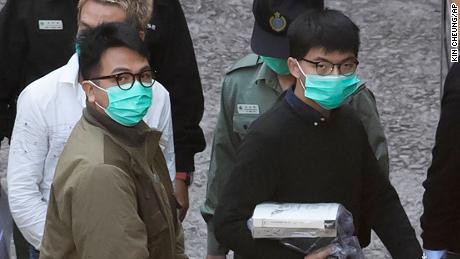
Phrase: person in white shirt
x=49 y=108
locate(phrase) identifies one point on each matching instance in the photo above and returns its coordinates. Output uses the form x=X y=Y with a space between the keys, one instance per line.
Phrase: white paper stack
x=287 y=220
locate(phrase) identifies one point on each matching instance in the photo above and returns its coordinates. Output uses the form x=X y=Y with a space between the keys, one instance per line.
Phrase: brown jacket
x=112 y=196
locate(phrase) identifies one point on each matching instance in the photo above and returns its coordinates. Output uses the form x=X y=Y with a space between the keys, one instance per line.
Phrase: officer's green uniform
x=249 y=89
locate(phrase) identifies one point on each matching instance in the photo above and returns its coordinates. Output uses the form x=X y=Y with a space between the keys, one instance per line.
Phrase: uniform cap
x=272 y=19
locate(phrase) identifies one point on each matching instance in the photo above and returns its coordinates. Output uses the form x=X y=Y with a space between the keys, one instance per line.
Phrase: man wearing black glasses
x=49 y=108
x=112 y=196
x=255 y=83
x=311 y=147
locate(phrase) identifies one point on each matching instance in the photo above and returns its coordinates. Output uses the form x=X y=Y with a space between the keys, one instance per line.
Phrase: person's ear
x=142 y=35
x=294 y=67
x=89 y=91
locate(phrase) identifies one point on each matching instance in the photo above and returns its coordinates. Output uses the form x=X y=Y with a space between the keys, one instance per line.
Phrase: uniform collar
x=266 y=77
x=305 y=111
x=129 y=136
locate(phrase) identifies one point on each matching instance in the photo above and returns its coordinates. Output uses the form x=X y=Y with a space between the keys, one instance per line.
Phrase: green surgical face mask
x=127 y=107
x=329 y=91
x=278 y=65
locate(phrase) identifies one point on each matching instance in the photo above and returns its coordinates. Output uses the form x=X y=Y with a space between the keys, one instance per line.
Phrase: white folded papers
x=288 y=220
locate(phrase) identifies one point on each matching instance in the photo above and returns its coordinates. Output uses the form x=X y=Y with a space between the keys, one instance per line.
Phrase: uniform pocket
x=242 y=122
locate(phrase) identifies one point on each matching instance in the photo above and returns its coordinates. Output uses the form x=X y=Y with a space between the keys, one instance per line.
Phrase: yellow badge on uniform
x=277 y=22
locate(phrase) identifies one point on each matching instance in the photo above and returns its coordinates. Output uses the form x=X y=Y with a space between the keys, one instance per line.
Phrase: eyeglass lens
x=325 y=68
x=126 y=80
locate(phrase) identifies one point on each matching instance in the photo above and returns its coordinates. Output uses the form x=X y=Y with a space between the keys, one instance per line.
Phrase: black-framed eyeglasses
x=325 y=68
x=125 y=80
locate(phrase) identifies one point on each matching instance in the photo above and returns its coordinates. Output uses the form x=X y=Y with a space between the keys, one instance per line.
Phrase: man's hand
x=182 y=198
x=322 y=253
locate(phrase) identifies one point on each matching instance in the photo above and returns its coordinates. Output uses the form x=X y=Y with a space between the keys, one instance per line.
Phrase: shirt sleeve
x=173 y=56
x=105 y=221
x=28 y=150
x=253 y=181
x=442 y=193
x=364 y=103
x=13 y=49
x=381 y=209
x=224 y=146
x=167 y=138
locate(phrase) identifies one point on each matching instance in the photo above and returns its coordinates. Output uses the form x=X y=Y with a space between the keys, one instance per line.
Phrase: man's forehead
x=122 y=58
x=323 y=54
x=94 y=13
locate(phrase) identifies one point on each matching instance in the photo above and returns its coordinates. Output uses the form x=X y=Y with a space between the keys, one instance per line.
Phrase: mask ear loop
x=303 y=73
x=100 y=88
x=100 y=106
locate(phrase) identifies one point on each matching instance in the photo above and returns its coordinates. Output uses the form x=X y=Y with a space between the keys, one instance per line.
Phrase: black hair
x=328 y=29
x=94 y=42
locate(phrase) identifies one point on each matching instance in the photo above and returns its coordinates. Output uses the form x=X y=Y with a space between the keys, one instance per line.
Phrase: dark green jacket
x=112 y=196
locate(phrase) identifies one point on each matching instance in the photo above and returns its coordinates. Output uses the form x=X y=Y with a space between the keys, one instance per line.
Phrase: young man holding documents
x=309 y=148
